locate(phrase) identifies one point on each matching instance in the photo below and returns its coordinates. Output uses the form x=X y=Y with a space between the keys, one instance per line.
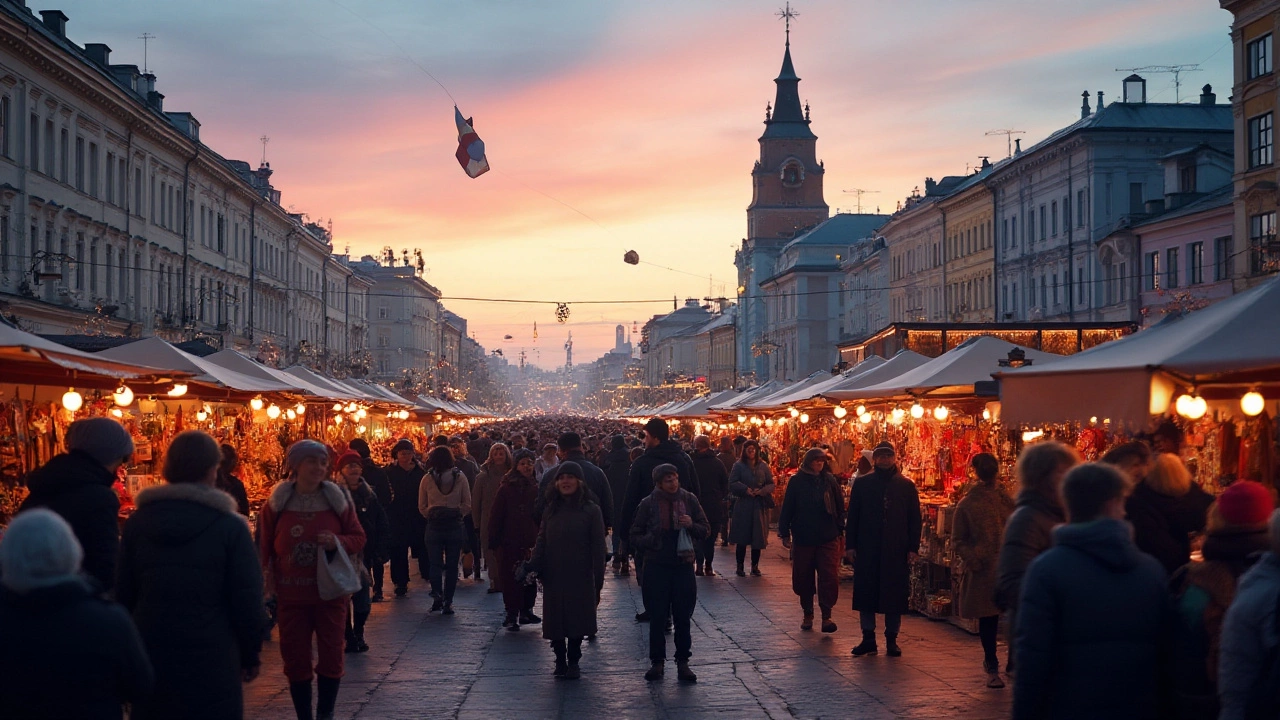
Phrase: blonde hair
x=1168 y=476
x=1039 y=464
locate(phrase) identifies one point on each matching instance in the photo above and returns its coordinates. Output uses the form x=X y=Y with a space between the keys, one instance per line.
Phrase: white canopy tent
x=1221 y=352
x=28 y=358
x=773 y=401
x=904 y=361
x=234 y=360
x=953 y=373
x=155 y=351
x=802 y=393
x=699 y=407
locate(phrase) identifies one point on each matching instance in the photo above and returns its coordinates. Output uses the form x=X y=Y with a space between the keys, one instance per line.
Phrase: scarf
x=669 y=508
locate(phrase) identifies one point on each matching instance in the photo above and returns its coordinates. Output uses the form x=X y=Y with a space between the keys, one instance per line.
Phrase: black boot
x=352 y=645
x=891 y=646
x=327 y=696
x=301 y=694
x=868 y=646
x=360 y=620
x=575 y=654
x=562 y=665
x=741 y=572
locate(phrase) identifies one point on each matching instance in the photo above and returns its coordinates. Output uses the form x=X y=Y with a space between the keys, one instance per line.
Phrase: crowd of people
x=1092 y=564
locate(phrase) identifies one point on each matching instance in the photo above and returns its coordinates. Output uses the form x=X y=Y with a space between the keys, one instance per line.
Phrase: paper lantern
x=256 y=403
x=72 y=400
x=941 y=412
x=178 y=390
x=1253 y=403
x=839 y=412
x=273 y=411
x=917 y=411
x=123 y=396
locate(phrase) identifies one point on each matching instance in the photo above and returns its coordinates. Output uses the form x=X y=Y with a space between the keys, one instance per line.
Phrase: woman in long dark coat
x=882 y=533
x=510 y=535
x=189 y=574
x=751 y=484
x=569 y=557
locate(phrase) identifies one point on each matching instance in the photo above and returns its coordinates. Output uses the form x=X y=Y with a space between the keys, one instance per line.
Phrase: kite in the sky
x=470 y=147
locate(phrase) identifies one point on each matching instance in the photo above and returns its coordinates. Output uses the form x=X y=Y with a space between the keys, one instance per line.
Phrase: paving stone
x=752 y=660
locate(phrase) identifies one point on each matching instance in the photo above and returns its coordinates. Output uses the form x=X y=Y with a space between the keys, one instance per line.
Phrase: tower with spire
x=786 y=199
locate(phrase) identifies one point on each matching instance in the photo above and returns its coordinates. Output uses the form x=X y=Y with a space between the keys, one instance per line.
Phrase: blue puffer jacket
x=1250 y=634
x=1094 y=628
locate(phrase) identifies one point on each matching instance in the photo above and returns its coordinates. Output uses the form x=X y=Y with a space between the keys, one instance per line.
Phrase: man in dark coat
x=1095 y=623
x=617 y=468
x=882 y=534
x=67 y=652
x=408 y=527
x=78 y=486
x=478 y=446
x=570 y=445
x=713 y=486
x=669 y=584
x=659 y=449
x=376 y=478
x=812 y=511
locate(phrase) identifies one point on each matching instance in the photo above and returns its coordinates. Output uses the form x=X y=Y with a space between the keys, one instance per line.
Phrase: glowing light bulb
x=300 y=409
x=351 y=407
x=1032 y=435
x=1197 y=408
x=917 y=411
x=860 y=410
x=897 y=415
x=794 y=412
x=337 y=419
x=840 y=412
x=1253 y=403
x=273 y=411
x=941 y=412
x=72 y=400
x=742 y=418
x=865 y=418
x=123 y=396
x=986 y=414
x=117 y=412
x=337 y=407
x=768 y=422
x=361 y=414
x=178 y=390
x=256 y=403
x=291 y=414
x=361 y=429
x=201 y=415
x=804 y=417
x=1183 y=405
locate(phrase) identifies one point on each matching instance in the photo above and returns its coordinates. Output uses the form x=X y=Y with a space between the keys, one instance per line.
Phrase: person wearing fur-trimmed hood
x=189 y=575
x=305 y=515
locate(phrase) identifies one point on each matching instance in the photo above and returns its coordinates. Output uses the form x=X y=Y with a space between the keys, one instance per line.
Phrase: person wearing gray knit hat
x=103 y=439
x=664 y=470
x=78 y=485
x=39 y=549
x=300 y=451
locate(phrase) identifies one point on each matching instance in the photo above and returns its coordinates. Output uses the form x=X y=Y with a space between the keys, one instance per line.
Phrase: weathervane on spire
x=788 y=15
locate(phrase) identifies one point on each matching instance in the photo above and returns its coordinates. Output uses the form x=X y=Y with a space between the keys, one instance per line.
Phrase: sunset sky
x=615 y=125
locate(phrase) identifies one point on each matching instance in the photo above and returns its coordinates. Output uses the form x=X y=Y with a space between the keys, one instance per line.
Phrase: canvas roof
x=156 y=351
x=953 y=373
x=237 y=361
x=28 y=358
x=812 y=391
x=904 y=361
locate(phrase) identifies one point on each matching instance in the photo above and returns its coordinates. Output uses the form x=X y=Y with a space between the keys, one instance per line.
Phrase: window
x=1004 y=233
x=1258 y=57
x=382 y=312
x=1053 y=209
x=1195 y=263
x=1044 y=225
x=33 y=149
x=79 y=164
x=1153 y=271
x=1031 y=227
x=1262 y=241
x=1124 y=284
x=93 y=169
x=1171 y=267
x=1044 y=291
x=1187 y=179
x=1080 y=208
x=1031 y=293
x=1004 y=297
x=4 y=126
x=4 y=243
x=1080 y=283
x=80 y=265
x=1013 y=231
x=1260 y=140
x=93 y=267
x=1135 y=198
x=1222 y=258
x=109 y=188
x=1055 y=288
x=137 y=192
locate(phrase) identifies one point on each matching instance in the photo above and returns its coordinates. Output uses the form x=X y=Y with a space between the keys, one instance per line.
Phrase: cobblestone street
x=752 y=660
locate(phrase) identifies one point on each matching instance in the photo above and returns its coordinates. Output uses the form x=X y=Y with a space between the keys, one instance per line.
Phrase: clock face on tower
x=792 y=174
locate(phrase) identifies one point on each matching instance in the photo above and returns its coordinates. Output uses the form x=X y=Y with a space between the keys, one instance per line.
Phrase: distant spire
x=787 y=14
x=789 y=118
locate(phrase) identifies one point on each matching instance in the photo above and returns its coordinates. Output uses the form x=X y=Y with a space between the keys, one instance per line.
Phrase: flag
x=470 y=147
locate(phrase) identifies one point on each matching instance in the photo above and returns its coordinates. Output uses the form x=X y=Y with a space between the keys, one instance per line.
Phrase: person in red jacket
x=304 y=516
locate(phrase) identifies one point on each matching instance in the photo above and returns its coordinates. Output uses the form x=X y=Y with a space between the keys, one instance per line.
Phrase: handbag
x=684 y=543
x=336 y=575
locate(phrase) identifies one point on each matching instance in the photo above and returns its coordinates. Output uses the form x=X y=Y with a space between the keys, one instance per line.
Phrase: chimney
x=1135 y=90
x=156 y=100
x=1207 y=97
x=55 y=21
x=98 y=53
x=986 y=162
x=146 y=84
x=929 y=186
x=1099 y=101
x=1017 y=146
x=1084 y=105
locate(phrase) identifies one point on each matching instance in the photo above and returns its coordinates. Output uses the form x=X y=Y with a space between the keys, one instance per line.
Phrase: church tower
x=786 y=199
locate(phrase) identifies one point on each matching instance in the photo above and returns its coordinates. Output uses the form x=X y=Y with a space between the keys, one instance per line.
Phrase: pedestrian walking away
x=305 y=516
x=67 y=652
x=882 y=533
x=569 y=557
x=713 y=489
x=189 y=574
x=666 y=526
x=810 y=524
x=979 y=525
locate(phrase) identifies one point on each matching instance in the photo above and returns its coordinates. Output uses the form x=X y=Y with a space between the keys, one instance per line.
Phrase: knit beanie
x=664 y=470
x=102 y=439
x=1245 y=502
x=403 y=444
x=350 y=457
x=360 y=446
x=521 y=454
x=883 y=448
x=39 y=549
x=569 y=468
x=618 y=443
x=302 y=450
x=813 y=454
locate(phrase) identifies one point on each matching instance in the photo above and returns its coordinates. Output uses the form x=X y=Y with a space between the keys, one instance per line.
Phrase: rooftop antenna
x=1008 y=136
x=146 y=38
x=1175 y=70
x=788 y=15
x=264 y=140
x=859 y=192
